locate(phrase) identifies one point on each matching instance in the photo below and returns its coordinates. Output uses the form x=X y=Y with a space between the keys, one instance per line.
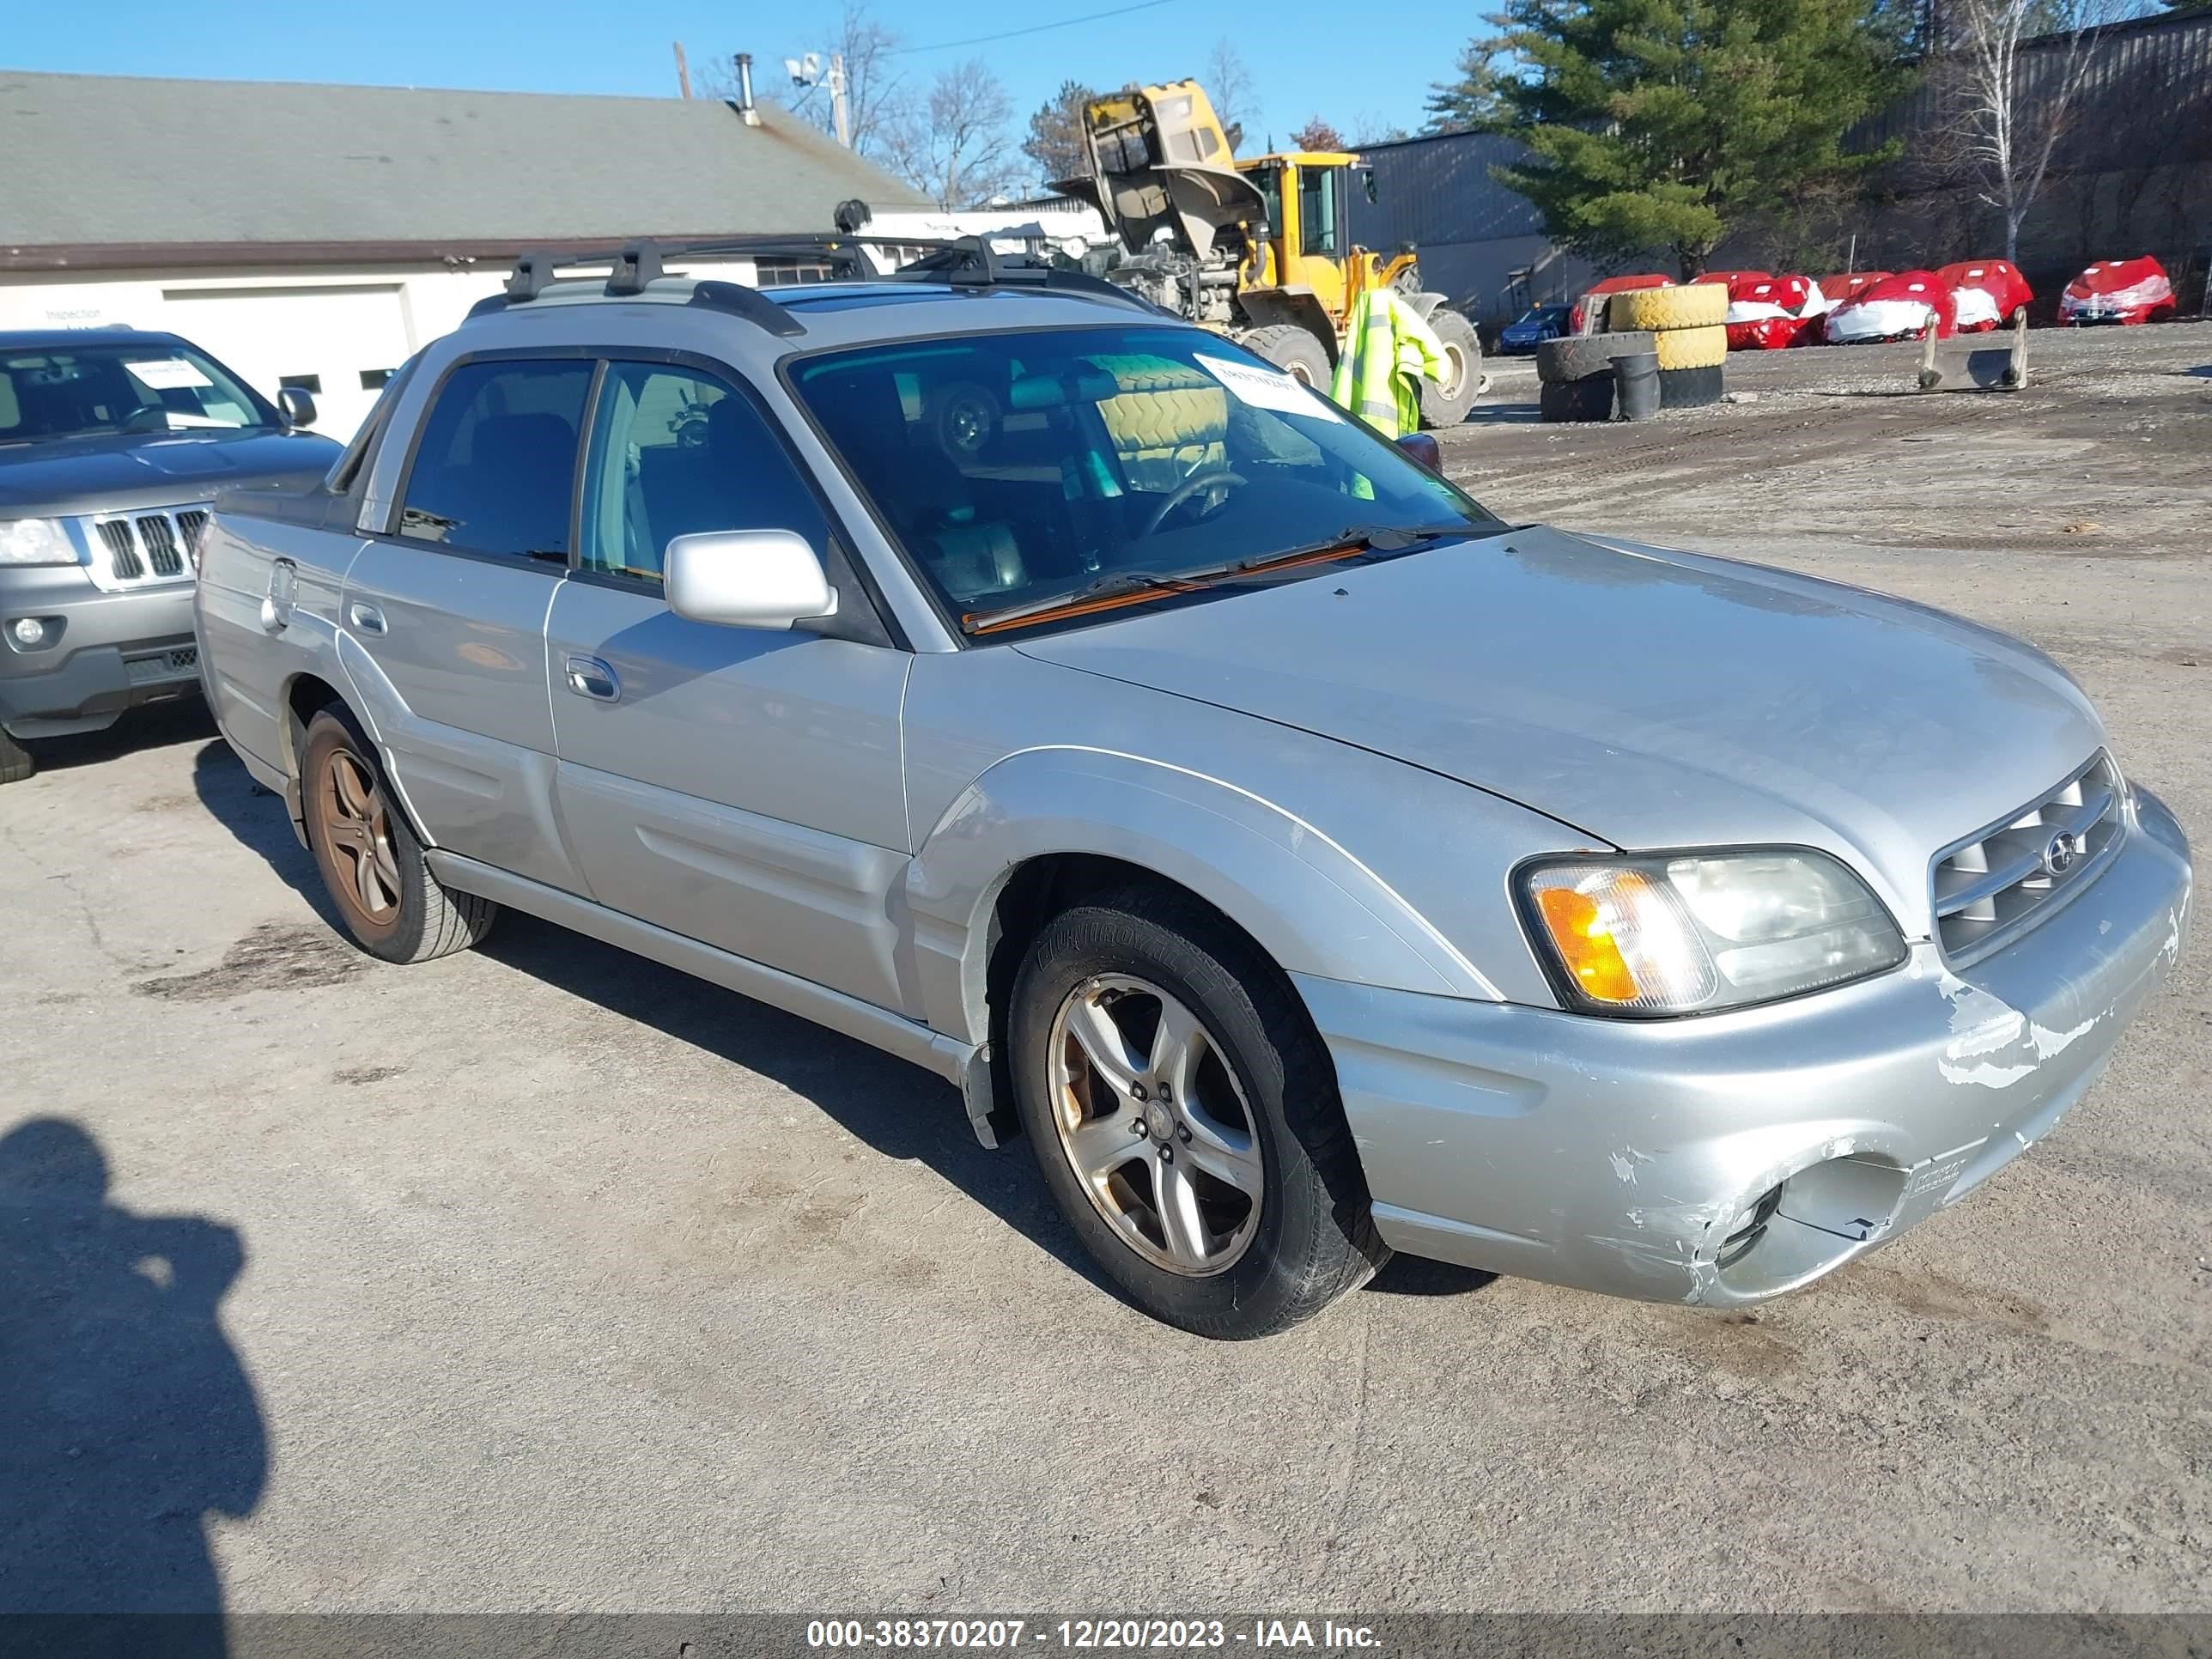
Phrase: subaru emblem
x=2058 y=857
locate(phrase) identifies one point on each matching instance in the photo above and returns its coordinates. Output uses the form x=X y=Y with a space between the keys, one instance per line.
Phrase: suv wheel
x=16 y=763
x=371 y=863
x=1186 y=1118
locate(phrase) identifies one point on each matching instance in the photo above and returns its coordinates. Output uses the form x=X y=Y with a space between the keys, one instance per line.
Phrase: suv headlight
x=1689 y=934
x=35 y=541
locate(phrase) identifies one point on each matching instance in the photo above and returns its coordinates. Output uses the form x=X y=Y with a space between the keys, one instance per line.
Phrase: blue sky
x=1303 y=57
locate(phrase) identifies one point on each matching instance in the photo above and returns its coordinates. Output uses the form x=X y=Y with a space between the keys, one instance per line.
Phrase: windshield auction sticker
x=1265 y=389
x=169 y=374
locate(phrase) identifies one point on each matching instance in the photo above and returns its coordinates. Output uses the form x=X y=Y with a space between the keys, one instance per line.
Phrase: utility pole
x=683 y=70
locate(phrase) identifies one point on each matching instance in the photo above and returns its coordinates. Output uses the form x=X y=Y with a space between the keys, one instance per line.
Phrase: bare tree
x=878 y=96
x=1228 y=86
x=2014 y=105
x=956 y=145
x=1318 y=134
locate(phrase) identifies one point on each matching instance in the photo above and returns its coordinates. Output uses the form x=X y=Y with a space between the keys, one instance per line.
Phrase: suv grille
x=1994 y=886
x=141 y=548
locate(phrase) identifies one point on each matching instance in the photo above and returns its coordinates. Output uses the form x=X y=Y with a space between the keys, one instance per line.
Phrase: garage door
x=337 y=343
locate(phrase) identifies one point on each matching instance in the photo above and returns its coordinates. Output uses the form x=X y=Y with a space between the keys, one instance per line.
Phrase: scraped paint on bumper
x=1620 y=1156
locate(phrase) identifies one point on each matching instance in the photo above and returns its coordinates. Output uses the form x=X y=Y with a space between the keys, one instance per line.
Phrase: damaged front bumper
x=1730 y=1158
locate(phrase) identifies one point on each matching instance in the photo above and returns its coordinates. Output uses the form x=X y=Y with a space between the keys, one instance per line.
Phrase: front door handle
x=366 y=617
x=590 y=677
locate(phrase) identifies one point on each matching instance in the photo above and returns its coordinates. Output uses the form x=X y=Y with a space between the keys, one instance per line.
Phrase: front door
x=740 y=787
x=442 y=624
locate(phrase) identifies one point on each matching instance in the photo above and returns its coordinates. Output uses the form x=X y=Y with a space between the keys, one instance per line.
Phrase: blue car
x=1537 y=324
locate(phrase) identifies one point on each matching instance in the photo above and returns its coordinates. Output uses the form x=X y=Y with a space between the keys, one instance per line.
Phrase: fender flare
x=1310 y=904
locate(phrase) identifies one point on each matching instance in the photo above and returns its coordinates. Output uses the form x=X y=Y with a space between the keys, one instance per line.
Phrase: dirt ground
x=568 y=1283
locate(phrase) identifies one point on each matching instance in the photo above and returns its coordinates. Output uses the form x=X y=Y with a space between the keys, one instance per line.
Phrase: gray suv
x=112 y=444
x=996 y=669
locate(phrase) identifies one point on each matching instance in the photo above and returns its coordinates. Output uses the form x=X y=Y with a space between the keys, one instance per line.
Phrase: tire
x=16 y=763
x=1695 y=305
x=1256 y=1098
x=1690 y=388
x=1294 y=350
x=1692 y=347
x=1576 y=357
x=417 y=918
x=963 y=417
x=1446 y=404
x=1589 y=398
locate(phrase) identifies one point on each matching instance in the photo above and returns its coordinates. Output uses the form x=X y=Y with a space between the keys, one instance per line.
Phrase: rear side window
x=496 y=467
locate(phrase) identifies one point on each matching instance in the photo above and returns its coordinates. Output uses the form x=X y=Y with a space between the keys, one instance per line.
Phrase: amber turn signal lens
x=1578 y=929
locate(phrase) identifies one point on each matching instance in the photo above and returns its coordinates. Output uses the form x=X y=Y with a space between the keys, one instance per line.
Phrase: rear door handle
x=366 y=617
x=590 y=677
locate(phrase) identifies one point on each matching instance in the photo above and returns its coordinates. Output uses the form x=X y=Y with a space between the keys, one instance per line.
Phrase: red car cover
x=1895 y=308
x=1612 y=285
x=1766 y=312
x=1985 y=293
x=1849 y=285
x=2117 y=291
x=1731 y=278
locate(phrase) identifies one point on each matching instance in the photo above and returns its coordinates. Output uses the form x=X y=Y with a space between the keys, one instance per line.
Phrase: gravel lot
x=569 y=1283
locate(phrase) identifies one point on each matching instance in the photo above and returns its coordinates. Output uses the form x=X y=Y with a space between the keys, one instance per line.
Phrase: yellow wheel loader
x=1262 y=249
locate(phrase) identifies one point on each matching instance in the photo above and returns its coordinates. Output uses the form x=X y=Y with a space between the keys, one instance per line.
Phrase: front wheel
x=1186 y=1118
x=1445 y=402
x=372 y=864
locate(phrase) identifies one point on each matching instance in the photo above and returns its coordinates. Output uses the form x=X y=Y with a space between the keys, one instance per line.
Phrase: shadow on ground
x=128 y=1415
x=151 y=727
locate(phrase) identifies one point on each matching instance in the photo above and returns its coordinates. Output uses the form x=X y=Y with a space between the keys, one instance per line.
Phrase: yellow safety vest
x=1388 y=347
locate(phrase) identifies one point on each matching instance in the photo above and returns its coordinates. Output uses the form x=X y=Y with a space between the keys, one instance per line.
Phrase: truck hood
x=153 y=469
x=1652 y=699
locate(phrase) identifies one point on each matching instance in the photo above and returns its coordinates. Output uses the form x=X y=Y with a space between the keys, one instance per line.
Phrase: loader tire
x=1690 y=347
x=1589 y=398
x=1697 y=305
x=1576 y=357
x=1445 y=402
x=1690 y=388
x=1296 y=351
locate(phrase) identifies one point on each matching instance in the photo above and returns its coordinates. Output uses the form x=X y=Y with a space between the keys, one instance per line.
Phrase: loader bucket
x=1965 y=364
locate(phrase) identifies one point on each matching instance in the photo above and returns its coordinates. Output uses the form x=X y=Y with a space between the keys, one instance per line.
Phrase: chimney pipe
x=746 y=89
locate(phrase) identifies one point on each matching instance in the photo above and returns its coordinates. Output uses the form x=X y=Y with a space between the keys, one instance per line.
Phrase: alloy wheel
x=1156 y=1125
x=357 y=827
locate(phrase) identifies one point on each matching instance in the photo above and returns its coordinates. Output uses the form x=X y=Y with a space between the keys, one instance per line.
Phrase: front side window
x=1012 y=468
x=675 y=452
x=75 y=391
x=1317 y=205
x=495 y=469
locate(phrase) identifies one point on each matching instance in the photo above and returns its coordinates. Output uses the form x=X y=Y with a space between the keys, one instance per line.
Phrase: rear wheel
x=1295 y=352
x=1186 y=1117
x=371 y=863
x=16 y=763
x=1445 y=402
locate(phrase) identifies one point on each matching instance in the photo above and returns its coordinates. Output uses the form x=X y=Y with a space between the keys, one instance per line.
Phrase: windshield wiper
x=1352 y=539
x=1117 y=581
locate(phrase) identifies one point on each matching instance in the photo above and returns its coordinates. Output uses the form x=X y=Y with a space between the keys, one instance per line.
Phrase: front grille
x=145 y=547
x=1999 y=883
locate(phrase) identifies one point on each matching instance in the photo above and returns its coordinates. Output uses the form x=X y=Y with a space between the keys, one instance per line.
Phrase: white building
x=318 y=235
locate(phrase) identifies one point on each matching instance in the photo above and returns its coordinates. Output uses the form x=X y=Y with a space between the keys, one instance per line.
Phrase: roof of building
x=124 y=170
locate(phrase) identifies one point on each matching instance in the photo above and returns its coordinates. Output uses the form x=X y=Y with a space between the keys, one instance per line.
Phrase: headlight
x=1691 y=933
x=34 y=541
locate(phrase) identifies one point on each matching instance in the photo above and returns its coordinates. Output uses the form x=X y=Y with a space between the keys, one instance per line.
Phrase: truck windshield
x=1018 y=469
x=153 y=386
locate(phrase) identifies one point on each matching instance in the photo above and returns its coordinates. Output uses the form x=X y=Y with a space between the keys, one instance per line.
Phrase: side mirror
x=746 y=579
x=297 y=407
x=1367 y=182
x=1422 y=447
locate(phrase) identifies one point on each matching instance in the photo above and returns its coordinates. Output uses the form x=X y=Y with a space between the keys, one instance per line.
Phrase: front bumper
x=1619 y=1156
x=113 y=650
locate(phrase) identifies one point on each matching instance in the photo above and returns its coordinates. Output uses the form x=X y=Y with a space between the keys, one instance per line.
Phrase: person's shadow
x=125 y=1414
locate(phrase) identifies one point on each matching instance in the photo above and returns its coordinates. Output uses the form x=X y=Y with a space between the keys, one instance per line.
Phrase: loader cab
x=1307 y=194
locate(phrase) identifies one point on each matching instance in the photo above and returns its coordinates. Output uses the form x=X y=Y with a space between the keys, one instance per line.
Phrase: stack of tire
x=1574 y=374
x=1688 y=325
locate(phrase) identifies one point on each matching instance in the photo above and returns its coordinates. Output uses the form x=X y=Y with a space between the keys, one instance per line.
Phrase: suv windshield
x=149 y=385
x=1019 y=470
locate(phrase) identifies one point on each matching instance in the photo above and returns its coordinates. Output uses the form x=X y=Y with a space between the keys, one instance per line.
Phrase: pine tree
x=1664 y=123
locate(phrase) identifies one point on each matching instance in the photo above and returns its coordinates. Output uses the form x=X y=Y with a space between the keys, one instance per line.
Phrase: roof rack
x=966 y=262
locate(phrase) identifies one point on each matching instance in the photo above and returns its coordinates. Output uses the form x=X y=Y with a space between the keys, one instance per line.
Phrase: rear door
x=739 y=786
x=442 y=624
